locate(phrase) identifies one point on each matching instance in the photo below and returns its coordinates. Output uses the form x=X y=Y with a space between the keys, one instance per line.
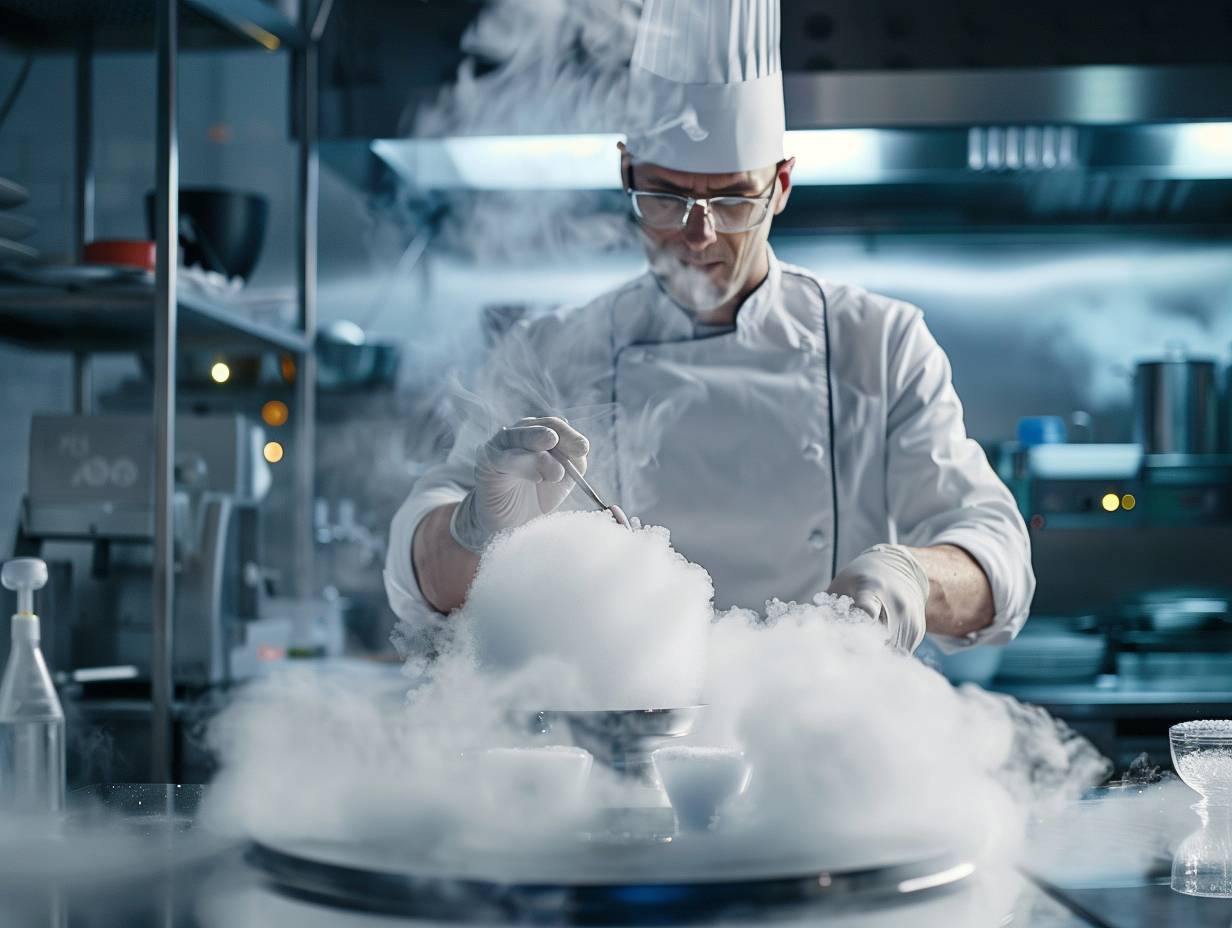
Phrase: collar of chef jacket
x=644 y=314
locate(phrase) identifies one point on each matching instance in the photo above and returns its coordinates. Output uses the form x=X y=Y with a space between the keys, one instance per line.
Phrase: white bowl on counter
x=552 y=777
x=700 y=782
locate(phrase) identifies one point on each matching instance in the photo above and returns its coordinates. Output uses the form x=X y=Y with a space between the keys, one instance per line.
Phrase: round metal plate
x=676 y=881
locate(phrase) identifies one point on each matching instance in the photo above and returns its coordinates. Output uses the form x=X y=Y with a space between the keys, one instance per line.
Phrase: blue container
x=1041 y=430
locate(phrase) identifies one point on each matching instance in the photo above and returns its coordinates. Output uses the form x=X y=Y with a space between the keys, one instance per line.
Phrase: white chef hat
x=706 y=87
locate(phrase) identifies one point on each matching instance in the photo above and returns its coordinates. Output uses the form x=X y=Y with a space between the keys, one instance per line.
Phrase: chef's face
x=701 y=268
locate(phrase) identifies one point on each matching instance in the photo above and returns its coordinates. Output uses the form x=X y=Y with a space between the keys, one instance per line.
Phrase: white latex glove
x=516 y=479
x=887 y=583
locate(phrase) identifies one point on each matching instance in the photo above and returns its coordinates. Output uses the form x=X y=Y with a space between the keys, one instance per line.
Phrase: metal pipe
x=166 y=226
x=82 y=384
x=83 y=204
x=305 y=383
x=320 y=22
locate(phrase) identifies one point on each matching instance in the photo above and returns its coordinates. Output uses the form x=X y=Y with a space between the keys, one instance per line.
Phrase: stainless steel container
x=1227 y=408
x=1176 y=406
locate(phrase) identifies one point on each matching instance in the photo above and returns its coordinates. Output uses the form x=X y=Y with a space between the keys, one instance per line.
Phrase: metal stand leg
x=83 y=204
x=82 y=384
x=166 y=225
x=305 y=386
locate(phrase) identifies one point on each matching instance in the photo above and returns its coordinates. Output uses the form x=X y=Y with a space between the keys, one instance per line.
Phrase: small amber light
x=287 y=366
x=275 y=413
x=220 y=372
x=273 y=452
x=1111 y=502
x=1128 y=502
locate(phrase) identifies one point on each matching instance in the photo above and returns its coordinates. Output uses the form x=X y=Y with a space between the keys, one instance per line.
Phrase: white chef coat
x=742 y=443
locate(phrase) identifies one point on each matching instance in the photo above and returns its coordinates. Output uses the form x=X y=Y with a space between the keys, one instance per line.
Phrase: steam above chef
x=795 y=434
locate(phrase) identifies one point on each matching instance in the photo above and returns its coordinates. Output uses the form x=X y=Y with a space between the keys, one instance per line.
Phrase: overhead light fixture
x=592 y=162
x=1203 y=150
x=220 y=372
x=506 y=162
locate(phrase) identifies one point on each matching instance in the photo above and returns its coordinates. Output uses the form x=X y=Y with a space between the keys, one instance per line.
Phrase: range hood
x=876 y=150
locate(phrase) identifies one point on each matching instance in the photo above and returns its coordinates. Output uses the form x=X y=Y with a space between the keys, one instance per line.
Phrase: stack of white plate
x=1052 y=653
x=13 y=227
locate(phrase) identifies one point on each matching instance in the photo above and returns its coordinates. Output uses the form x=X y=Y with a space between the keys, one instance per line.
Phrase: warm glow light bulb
x=220 y=372
x=1111 y=502
x=273 y=452
x=1128 y=502
x=275 y=413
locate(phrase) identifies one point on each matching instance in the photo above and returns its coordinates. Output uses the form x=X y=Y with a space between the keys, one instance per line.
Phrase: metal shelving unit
x=113 y=318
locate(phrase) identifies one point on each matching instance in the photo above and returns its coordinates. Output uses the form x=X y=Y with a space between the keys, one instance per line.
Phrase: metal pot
x=348 y=360
x=1227 y=409
x=1176 y=406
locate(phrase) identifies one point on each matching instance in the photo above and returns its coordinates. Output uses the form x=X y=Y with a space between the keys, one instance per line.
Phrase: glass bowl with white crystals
x=1202 y=755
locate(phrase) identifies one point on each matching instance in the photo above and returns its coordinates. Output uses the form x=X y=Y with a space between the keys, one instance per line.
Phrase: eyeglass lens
x=728 y=214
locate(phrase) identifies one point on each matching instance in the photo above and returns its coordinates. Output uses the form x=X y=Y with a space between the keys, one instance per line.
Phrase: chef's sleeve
x=941 y=488
x=440 y=485
x=513 y=382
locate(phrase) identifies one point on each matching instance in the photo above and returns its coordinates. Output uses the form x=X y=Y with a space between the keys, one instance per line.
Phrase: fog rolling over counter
x=858 y=752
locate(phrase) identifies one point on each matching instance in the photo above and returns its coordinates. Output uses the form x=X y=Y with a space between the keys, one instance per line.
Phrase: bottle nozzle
x=24 y=575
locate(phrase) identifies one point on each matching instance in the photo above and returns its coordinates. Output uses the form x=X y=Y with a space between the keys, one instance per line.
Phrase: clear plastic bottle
x=31 y=720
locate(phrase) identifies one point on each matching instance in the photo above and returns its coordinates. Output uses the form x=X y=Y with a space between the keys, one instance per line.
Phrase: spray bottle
x=31 y=720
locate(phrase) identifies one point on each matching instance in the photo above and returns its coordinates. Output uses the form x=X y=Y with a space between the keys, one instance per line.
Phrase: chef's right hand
x=516 y=479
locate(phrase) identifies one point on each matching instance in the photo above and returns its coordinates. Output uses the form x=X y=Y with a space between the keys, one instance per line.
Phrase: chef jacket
x=774 y=451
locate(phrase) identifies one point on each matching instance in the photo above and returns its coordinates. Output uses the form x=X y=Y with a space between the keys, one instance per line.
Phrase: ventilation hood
x=943 y=149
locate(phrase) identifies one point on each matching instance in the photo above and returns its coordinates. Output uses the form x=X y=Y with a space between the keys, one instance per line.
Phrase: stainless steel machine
x=1130 y=551
x=89 y=512
x=1115 y=531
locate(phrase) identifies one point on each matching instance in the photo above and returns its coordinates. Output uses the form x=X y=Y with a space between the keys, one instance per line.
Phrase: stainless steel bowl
x=620 y=739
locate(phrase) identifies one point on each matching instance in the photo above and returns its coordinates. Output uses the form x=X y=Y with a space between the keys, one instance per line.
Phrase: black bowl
x=220 y=230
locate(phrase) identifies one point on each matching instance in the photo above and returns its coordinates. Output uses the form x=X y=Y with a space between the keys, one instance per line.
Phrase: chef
x=795 y=434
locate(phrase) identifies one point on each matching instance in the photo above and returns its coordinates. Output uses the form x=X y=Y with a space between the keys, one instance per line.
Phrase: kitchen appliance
x=89 y=511
x=220 y=230
x=1119 y=532
x=1176 y=405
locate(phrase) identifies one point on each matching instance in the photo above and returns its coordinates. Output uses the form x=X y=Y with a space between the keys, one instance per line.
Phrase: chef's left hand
x=887 y=583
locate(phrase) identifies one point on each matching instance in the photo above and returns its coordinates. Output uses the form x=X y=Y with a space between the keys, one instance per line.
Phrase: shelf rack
x=114 y=318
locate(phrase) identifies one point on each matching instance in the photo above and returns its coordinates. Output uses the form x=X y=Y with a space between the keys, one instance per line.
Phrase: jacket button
x=817 y=539
x=814 y=452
